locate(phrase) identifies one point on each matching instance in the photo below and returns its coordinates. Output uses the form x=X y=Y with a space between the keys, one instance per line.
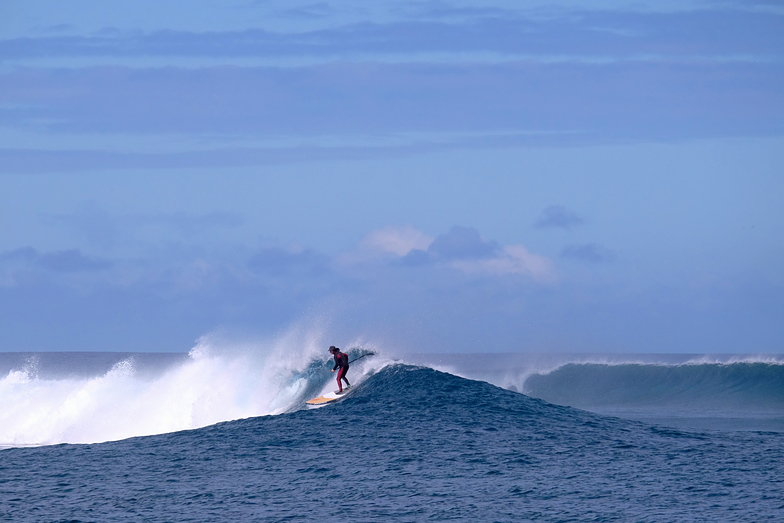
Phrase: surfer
x=341 y=365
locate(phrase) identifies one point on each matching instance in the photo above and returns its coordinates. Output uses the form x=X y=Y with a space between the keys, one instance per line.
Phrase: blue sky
x=429 y=176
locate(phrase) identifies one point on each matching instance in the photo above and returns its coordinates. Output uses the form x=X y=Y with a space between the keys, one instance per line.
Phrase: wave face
x=410 y=444
x=86 y=398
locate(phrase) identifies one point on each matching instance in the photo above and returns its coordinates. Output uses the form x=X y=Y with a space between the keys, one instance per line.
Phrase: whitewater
x=50 y=398
x=223 y=433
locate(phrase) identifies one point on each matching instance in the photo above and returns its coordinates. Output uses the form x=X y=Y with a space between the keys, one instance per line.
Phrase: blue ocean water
x=732 y=392
x=408 y=443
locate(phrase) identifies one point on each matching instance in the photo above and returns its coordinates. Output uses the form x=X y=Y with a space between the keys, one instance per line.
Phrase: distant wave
x=753 y=383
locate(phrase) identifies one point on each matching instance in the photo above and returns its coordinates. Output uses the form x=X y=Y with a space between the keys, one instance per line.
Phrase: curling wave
x=216 y=382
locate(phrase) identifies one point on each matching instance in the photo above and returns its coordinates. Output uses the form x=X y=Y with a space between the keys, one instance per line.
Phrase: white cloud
x=467 y=252
x=511 y=259
x=397 y=240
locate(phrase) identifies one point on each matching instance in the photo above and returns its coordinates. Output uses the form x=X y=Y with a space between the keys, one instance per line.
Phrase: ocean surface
x=224 y=435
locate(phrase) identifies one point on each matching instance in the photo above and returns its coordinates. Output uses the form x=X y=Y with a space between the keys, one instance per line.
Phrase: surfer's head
x=333 y=349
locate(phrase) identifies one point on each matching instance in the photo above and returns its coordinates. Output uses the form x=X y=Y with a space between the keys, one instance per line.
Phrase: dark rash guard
x=341 y=361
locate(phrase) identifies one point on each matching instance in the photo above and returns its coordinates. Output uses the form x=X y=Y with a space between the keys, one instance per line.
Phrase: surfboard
x=326 y=398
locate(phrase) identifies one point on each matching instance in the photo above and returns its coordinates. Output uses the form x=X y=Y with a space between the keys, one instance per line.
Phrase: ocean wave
x=218 y=381
x=708 y=381
x=221 y=381
x=409 y=443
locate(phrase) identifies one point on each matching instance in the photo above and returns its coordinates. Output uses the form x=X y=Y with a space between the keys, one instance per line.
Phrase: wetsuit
x=341 y=362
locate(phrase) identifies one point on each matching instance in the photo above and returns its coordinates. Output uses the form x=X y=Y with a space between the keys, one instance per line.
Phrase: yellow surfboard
x=326 y=398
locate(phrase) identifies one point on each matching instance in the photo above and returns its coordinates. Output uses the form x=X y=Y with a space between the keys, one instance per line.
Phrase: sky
x=446 y=176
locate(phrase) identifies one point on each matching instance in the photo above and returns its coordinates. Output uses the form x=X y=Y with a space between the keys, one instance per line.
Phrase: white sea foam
x=220 y=380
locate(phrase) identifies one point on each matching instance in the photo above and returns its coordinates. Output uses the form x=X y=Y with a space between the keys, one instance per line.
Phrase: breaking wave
x=217 y=381
x=754 y=384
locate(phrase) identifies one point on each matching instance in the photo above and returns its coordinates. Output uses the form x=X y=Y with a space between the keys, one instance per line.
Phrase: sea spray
x=219 y=380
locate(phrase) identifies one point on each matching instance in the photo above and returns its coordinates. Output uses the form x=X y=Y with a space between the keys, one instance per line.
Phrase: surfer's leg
x=341 y=372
